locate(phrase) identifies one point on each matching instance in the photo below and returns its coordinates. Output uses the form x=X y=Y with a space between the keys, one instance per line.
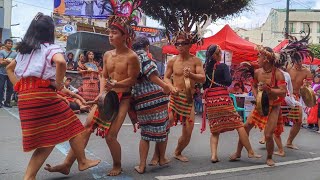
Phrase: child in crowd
x=198 y=100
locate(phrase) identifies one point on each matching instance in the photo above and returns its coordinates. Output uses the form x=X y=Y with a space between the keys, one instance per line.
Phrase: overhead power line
x=33 y=5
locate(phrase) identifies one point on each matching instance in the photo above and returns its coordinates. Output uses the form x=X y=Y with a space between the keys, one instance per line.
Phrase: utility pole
x=287 y=19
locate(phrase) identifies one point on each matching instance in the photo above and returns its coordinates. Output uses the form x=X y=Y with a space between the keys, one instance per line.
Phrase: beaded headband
x=39 y=14
x=267 y=54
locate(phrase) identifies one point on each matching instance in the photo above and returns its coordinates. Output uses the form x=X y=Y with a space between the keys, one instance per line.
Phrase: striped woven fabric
x=100 y=125
x=220 y=111
x=285 y=109
x=45 y=119
x=152 y=114
x=261 y=121
x=90 y=87
x=295 y=113
x=180 y=108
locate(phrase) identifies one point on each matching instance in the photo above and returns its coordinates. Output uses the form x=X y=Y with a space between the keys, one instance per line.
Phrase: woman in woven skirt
x=46 y=120
x=90 y=78
x=218 y=107
x=151 y=105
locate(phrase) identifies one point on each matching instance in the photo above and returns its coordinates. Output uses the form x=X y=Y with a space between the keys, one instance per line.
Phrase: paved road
x=303 y=164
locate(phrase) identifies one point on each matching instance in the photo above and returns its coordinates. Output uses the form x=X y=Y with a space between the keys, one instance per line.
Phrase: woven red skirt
x=46 y=120
x=90 y=85
x=220 y=111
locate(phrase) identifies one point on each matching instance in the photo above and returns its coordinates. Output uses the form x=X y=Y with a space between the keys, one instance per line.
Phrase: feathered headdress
x=126 y=13
x=245 y=71
x=195 y=37
x=296 y=51
x=266 y=52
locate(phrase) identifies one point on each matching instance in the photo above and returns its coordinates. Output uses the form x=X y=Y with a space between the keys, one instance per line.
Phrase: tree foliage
x=315 y=49
x=177 y=15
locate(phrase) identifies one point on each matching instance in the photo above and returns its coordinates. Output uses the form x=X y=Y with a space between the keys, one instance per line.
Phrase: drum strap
x=273 y=78
x=212 y=76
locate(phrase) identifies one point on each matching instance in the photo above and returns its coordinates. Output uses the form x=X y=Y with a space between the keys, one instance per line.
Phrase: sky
x=24 y=11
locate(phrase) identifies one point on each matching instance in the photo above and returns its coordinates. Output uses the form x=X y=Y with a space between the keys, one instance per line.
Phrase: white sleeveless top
x=289 y=99
x=38 y=63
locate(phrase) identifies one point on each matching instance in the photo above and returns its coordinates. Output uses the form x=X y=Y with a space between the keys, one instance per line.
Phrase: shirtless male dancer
x=300 y=76
x=122 y=66
x=180 y=67
x=273 y=83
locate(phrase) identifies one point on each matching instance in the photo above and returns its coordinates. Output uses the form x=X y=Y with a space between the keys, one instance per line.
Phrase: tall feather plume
x=296 y=50
x=195 y=37
x=201 y=28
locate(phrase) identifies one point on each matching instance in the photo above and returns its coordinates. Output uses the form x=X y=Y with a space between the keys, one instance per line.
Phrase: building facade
x=272 y=32
x=5 y=19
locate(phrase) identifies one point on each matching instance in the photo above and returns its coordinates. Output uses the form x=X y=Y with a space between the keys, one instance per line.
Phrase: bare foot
x=234 y=157
x=84 y=108
x=254 y=155
x=181 y=158
x=88 y=164
x=140 y=170
x=29 y=178
x=270 y=162
x=291 y=146
x=76 y=111
x=62 y=168
x=279 y=153
x=154 y=162
x=215 y=160
x=165 y=161
x=262 y=141
x=115 y=171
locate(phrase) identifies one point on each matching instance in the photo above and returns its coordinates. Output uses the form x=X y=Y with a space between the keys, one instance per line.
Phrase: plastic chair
x=238 y=109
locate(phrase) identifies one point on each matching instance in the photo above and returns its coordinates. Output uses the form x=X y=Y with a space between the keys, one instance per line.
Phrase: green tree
x=175 y=15
x=315 y=49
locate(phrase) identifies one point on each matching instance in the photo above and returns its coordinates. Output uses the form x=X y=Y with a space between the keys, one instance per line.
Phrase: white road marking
x=13 y=114
x=232 y=170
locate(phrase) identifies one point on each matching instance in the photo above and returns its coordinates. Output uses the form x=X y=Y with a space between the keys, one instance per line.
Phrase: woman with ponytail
x=218 y=106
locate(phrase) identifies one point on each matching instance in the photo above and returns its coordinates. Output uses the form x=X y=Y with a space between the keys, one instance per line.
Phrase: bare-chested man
x=120 y=71
x=180 y=67
x=300 y=76
x=271 y=80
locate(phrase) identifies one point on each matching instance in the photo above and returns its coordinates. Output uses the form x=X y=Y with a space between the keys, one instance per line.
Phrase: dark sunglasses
x=182 y=43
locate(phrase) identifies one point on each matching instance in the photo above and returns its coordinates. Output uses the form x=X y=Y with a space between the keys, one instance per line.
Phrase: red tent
x=306 y=61
x=227 y=39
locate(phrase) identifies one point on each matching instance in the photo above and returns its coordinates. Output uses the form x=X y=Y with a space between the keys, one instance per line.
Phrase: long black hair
x=210 y=61
x=41 y=30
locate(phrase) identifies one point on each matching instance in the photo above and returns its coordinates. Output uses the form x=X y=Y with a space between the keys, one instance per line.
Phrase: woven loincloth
x=103 y=126
x=261 y=121
x=295 y=113
x=180 y=108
